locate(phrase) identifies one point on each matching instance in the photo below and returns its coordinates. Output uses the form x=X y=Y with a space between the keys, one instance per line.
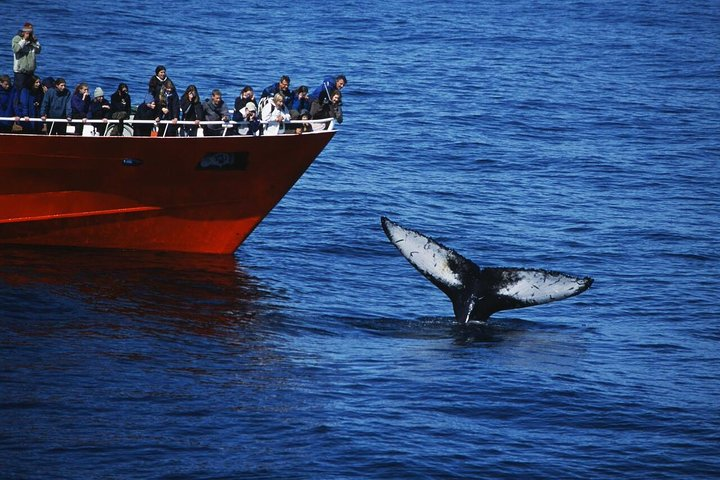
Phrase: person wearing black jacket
x=145 y=111
x=328 y=109
x=191 y=111
x=169 y=111
x=120 y=106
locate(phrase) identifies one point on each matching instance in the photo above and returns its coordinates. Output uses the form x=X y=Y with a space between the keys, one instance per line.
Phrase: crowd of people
x=27 y=96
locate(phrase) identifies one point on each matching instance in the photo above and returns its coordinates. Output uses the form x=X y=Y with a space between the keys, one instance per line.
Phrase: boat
x=177 y=194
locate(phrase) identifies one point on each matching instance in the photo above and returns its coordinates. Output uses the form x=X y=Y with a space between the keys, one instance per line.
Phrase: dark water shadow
x=434 y=328
x=199 y=293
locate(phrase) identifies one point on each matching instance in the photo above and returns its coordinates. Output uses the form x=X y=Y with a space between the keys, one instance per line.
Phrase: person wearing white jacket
x=276 y=114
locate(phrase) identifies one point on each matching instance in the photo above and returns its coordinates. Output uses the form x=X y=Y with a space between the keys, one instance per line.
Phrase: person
x=283 y=86
x=247 y=95
x=252 y=125
x=169 y=104
x=99 y=110
x=157 y=81
x=48 y=83
x=56 y=104
x=29 y=105
x=80 y=106
x=331 y=109
x=7 y=104
x=120 y=107
x=305 y=126
x=191 y=110
x=145 y=111
x=328 y=85
x=214 y=109
x=276 y=114
x=299 y=102
x=25 y=47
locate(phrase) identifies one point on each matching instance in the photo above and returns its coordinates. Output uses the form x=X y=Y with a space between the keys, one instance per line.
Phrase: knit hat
x=98 y=92
x=250 y=107
x=159 y=68
x=27 y=27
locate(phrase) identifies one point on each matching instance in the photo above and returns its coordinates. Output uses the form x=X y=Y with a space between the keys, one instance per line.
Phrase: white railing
x=90 y=129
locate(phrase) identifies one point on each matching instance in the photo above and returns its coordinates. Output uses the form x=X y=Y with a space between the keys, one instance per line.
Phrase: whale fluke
x=475 y=292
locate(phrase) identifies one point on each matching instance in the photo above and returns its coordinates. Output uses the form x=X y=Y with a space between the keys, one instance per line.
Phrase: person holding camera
x=25 y=47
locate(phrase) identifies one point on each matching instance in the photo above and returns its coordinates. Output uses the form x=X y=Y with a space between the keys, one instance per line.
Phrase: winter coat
x=120 y=102
x=324 y=90
x=213 y=113
x=25 y=51
x=29 y=106
x=7 y=105
x=97 y=112
x=270 y=114
x=322 y=110
x=80 y=106
x=56 y=104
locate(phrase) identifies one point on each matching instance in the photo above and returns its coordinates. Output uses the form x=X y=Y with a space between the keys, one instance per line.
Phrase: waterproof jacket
x=56 y=104
x=120 y=102
x=29 y=106
x=24 y=54
x=80 y=106
x=214 y=113
x=324 y=90
x=7 y=105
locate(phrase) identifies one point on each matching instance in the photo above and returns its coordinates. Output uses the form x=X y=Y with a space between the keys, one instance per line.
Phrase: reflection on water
x=196 y=292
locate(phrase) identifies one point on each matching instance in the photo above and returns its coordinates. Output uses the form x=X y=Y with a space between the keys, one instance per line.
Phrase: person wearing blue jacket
x=29 y=105
x=56 y=104
x=299 y=102
x=283 y=86
x=328 y=85
x=80 y=106
x=7 y=104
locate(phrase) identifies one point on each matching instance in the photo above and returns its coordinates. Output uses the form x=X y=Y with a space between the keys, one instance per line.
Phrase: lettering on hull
x=224 y=161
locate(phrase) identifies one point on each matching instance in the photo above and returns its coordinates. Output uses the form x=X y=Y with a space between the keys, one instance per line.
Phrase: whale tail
x=476 y=293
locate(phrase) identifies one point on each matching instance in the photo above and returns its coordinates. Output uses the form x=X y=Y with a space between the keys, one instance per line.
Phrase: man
x=215 y=109
x=283 y=86
x=25 y=47
x=7 y=104
x=56 y=104
x=329 y=85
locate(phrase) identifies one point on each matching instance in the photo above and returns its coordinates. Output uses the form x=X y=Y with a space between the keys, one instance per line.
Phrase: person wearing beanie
x=99 y=110
x=25 y=47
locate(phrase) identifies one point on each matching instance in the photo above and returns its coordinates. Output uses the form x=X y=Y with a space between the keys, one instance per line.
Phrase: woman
x=331 y=109
x=299 y=102
x=80 y=106
x=170 y=111
x=247 y=95
x=276 y=114
x=157 y=81
x=145 y=111
x=120 y=107
x=191 y=111
x=29 y=106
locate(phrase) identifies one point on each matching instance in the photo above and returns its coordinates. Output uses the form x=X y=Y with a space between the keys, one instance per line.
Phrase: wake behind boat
x=185 y=194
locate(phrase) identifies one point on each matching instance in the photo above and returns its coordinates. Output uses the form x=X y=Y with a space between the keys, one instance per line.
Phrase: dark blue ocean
x=577 y=136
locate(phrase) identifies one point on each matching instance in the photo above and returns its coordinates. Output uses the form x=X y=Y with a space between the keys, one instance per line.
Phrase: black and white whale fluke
x=476 y=293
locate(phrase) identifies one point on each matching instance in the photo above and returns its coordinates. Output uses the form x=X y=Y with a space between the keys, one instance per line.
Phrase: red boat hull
x=203 y=195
